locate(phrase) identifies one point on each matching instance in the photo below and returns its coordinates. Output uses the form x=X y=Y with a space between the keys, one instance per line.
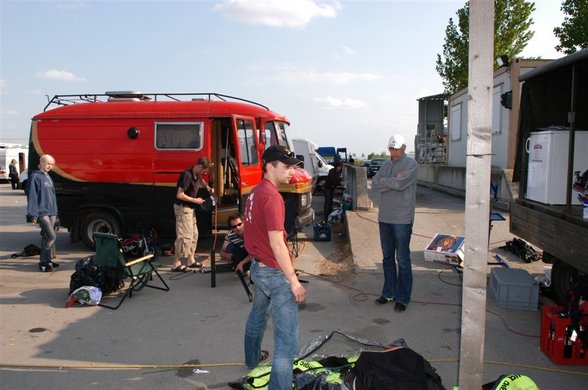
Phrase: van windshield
x=276 y=133
x=321 y=159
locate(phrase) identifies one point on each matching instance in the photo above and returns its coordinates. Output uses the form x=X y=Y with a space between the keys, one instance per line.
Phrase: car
x=374 y=166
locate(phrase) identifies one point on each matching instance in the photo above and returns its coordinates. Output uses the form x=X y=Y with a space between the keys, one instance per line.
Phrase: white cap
x=396 y=141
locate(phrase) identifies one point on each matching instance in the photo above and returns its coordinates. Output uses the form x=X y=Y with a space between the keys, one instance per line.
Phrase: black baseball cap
x=280 y=153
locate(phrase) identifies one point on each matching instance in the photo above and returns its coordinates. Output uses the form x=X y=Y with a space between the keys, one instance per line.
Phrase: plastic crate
x=322 y=232
x=514 y=289
x=555 y=341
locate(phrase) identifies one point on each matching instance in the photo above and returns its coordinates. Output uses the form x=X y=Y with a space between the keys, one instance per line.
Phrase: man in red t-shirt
x=276 y=283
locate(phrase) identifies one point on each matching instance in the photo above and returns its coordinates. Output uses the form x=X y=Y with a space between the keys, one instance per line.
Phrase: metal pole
x=479 y=154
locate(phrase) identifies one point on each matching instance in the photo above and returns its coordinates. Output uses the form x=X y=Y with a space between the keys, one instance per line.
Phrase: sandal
x=195 y=264
x=180 y=268
x=264 y=355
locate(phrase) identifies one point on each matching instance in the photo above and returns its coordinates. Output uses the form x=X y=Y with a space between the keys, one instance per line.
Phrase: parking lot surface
x=192 y=336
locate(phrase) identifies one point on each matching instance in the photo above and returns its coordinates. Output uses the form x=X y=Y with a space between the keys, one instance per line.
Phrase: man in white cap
x=396 y=182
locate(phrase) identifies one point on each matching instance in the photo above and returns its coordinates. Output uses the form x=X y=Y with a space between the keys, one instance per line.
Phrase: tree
x=512 y=20
x=573 y=33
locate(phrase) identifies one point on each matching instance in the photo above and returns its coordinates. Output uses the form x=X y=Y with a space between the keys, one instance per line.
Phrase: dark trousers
x=239 y=253
x=48 y=238
x=328 y=208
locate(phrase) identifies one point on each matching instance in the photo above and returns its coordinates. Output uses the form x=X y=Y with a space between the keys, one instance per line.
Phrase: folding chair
x=109 y=253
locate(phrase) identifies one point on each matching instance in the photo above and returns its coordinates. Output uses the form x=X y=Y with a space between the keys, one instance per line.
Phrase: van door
x=247 y=153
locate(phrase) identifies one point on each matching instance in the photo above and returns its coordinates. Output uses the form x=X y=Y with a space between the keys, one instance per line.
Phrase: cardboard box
x=445 y=249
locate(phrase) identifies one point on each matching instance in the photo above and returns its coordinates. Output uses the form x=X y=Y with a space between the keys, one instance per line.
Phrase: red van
x=119 y=155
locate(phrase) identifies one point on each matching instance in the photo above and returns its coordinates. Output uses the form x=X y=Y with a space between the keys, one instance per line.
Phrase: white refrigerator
x=548 y=164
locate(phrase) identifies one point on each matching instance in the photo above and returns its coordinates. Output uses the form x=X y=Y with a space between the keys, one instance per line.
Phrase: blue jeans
x=395 y=241
x=272 y=290
x=48 y=238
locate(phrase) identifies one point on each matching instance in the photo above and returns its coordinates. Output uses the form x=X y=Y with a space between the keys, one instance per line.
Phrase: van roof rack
x=112 y=96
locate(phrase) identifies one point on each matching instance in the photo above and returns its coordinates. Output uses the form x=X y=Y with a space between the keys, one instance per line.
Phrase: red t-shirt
x=264 y=211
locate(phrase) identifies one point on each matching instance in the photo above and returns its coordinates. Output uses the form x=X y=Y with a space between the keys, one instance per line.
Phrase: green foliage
x=371 y=156
x=573 y=33
x=512 y=20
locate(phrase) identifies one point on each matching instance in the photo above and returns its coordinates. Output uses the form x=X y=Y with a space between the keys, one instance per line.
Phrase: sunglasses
x=289 y=155
x=237 y=225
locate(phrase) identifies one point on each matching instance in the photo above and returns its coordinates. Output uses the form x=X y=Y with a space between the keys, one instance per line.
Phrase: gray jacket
x=396 y=182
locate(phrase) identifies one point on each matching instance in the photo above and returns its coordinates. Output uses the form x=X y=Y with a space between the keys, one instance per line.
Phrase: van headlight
x=304 y=201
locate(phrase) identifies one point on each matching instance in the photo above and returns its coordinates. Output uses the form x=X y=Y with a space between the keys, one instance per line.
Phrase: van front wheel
x=98 y=221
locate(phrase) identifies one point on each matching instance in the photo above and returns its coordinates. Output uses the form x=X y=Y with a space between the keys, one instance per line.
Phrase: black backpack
x=29 y=250
x=395 y=369
x=88 y=273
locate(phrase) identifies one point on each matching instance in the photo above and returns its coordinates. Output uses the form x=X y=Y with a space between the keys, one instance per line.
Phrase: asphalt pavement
x=192 y=336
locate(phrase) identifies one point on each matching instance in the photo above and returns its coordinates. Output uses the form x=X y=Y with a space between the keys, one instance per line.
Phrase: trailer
x=554 y=100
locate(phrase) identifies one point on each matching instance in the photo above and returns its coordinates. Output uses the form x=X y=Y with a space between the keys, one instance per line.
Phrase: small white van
x=9 y=152
x=314 y=164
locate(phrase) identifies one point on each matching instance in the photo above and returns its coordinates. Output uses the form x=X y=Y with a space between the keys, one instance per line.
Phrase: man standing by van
x=42 y=209
x=396 y=182
x=189 y=183
x=276 y=283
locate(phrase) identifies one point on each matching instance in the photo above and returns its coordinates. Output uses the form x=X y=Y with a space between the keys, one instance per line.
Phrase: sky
x=345 y=73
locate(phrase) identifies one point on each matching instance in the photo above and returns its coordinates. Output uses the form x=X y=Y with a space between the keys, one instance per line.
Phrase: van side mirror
x=320 y=164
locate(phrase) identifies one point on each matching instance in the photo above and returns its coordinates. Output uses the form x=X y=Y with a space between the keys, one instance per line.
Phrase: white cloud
x=331 y=102
x=292 y=75
x=55 y=74
x=278 y=13
x=345 y=51
x=349 y=51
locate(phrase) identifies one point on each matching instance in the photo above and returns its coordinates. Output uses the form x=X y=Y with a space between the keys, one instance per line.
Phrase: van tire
x=98 y=221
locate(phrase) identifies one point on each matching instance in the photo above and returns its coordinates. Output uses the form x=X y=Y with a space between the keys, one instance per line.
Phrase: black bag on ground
x=395 y=369
x=523 y=250
x=29 y=250
x=88 y=273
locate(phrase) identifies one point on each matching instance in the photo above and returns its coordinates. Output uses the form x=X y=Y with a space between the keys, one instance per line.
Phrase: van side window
x=247 y=143
x=173 y=136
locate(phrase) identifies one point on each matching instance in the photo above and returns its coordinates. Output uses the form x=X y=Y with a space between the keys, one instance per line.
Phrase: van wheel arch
x=98 y=221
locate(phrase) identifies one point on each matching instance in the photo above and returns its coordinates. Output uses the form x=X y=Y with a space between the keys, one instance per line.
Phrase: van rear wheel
x=98 y=221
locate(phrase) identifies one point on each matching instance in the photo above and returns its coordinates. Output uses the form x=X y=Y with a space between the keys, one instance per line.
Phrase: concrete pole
x=477 y=213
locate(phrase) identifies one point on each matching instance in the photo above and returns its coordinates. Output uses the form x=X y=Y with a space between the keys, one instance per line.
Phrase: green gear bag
x=328 y=372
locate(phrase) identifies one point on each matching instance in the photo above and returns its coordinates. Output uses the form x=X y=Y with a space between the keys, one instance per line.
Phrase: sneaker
x=45 y=268
x=54 y=264
x=384 y=300
x=399 y=307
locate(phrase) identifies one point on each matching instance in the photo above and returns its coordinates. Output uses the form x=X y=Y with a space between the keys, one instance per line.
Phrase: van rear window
x=174 y=136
